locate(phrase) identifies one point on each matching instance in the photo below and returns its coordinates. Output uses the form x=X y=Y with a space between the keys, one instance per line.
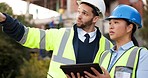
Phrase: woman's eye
x=109 y=23
x=115 y=22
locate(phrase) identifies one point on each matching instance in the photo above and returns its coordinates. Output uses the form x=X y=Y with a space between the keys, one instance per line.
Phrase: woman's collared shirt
x=142 y=69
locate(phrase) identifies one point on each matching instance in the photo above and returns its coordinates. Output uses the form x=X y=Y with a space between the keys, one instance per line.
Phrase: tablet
x=67 y=69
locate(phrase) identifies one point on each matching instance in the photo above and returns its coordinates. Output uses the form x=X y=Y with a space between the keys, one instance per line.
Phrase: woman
x=125 y=59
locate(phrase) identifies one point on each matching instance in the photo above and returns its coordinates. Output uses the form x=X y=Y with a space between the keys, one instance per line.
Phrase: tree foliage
x=34 y=68
x=5 y=8
x=15 y=59
x=144 y=30
x=11 y=53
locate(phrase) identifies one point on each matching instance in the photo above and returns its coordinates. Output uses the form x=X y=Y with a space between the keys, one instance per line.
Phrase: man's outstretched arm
x=11 y=26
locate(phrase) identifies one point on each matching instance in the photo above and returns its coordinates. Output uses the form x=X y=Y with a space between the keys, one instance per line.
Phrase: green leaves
x=11 y=52
x=5 y=8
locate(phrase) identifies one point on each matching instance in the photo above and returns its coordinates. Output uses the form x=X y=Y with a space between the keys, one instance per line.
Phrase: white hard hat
x=97 y=3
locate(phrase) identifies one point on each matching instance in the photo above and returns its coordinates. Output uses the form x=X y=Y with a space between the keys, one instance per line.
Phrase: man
x=70 y=46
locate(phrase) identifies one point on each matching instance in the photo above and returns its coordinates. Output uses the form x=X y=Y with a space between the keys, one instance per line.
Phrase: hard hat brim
x=114 y=17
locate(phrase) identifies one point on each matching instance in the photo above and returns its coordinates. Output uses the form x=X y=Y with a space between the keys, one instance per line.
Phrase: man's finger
x=72 y=74
x=78 y=75
x=68 y=76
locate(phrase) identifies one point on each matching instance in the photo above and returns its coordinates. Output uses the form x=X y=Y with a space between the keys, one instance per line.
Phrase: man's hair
x=95 y=11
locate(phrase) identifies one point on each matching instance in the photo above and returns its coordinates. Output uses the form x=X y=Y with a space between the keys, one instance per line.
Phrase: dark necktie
x=87 y=38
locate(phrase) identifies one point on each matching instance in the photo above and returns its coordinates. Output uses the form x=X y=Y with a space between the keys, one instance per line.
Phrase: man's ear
x=95 y=19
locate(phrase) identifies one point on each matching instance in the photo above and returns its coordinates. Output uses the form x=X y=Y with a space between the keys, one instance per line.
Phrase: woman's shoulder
x=143 y=49
x=143 y=52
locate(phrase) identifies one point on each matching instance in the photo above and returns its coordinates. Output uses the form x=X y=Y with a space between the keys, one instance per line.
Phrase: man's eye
x=78 y=11
x=84 y=13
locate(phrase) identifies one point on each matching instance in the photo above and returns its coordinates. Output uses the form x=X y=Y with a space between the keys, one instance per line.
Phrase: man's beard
x=86 y=24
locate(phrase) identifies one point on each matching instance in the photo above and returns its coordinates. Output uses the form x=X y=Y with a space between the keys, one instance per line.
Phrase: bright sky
x=20 y=7
x=144 y=1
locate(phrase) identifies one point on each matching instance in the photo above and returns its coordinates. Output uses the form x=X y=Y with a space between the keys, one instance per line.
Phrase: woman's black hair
x=133 y=31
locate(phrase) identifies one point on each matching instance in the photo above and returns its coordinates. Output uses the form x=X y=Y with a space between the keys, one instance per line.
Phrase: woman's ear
x=130 y=28
x=95 y=19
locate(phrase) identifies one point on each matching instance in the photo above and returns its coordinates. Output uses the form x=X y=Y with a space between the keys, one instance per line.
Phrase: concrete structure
x=68 y=9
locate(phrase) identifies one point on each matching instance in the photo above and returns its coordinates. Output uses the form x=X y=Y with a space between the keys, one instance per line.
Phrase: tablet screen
x=67 y=69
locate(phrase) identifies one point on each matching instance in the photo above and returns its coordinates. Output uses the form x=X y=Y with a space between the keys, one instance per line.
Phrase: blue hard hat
x=126 y=12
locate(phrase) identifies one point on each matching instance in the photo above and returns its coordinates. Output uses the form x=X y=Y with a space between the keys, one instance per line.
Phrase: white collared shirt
x=81 y=34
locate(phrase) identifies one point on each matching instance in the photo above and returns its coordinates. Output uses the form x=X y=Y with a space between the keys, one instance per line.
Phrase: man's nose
x=79 y=15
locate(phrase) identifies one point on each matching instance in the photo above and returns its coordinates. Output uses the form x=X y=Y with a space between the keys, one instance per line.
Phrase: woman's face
x=118 y=29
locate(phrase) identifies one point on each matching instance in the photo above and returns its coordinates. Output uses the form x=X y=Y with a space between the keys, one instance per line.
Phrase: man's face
x=84 y=16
